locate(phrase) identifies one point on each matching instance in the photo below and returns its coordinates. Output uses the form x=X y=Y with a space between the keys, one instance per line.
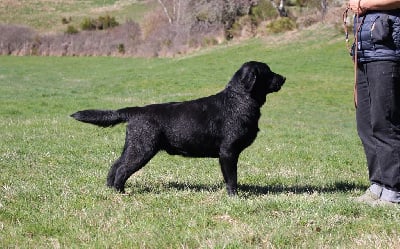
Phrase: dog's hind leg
x=228 y=162
x=117 y=164
x=113 y=170
x=111 y=173
x=140 y=147
x=130 y=163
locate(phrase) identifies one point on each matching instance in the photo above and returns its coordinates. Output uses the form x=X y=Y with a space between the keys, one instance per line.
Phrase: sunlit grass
x=296 y=182
x=46 y=15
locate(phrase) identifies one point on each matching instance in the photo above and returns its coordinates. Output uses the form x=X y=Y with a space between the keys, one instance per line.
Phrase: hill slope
x=46 y=15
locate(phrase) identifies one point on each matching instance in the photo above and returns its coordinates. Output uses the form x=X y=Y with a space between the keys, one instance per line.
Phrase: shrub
x=121 y=48
x=105 y=22
x=102 y=22
x=281 y=25
x=71 y=30
x=64 y=20
x=15 y=39
x=87 y=24
x=263 y=11
x=243 y=27
x=209 y=41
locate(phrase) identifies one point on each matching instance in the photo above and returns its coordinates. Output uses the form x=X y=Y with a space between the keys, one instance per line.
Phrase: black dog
x=219 y=126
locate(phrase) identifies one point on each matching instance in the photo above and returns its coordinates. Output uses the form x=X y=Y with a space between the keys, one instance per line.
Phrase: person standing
x=377 y=97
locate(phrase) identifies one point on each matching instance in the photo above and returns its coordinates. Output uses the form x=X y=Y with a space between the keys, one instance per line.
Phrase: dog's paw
x=232 y=192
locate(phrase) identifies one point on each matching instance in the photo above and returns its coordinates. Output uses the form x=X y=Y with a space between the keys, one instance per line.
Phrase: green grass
x=296 y=181
x=46 y=15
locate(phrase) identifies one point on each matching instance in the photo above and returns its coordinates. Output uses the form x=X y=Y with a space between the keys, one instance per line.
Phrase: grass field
x=296 y=182
x=46 y=15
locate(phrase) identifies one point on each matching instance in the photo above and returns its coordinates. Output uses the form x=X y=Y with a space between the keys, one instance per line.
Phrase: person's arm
x=362 y=6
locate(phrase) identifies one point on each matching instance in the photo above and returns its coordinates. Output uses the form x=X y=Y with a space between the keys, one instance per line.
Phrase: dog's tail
x=103 y=118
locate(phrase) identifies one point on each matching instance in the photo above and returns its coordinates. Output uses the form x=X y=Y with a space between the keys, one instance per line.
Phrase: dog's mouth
x=279 y=81
x=282 y=81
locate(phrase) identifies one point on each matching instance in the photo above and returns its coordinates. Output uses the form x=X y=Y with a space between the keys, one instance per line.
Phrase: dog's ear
x=249 y=78
x=244 y=80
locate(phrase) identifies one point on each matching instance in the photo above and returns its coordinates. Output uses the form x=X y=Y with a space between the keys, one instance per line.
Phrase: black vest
x=378 y=36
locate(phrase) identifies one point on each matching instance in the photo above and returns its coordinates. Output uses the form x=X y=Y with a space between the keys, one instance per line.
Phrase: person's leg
x=365 y=132
x=363 y=117
x=384 y=85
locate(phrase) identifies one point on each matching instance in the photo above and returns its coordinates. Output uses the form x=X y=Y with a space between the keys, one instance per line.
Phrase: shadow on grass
x=255 y=190
x=250 y=190
x=160 y=188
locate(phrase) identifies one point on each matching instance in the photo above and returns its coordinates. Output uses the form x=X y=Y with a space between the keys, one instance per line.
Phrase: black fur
x=219 y=126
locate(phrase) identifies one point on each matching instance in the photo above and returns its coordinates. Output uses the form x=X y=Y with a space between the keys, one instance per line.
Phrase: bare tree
x=171 y=9
x=324 y=8
x=281 y=7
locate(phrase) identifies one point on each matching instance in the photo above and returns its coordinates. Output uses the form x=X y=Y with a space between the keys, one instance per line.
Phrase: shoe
x=368 y=198
x=374 y=200
x=383 y=203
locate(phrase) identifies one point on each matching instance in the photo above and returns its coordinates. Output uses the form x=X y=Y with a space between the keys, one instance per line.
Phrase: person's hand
x=356 y=7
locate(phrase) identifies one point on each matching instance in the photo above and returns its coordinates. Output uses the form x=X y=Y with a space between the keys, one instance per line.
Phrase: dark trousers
x=378 y=120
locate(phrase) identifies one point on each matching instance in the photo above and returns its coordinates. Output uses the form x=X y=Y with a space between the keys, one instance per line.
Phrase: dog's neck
x=231 y=91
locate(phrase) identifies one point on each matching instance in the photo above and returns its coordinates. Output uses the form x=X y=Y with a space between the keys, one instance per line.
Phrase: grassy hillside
x=46 y=15
x=296 y=182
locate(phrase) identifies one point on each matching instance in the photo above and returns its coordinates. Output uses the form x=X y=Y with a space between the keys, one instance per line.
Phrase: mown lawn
x=296 y=181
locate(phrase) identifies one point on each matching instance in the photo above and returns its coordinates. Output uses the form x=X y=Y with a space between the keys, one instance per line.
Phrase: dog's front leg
x=228 y=162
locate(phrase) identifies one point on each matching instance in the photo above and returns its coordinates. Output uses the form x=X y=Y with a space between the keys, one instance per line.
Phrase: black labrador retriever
x=219 y=126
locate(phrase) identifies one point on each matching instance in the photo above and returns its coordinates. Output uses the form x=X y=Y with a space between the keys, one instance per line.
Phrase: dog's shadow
x=247 y=190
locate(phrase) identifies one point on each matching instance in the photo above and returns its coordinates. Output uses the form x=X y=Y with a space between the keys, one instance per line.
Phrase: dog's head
x=257 y=80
